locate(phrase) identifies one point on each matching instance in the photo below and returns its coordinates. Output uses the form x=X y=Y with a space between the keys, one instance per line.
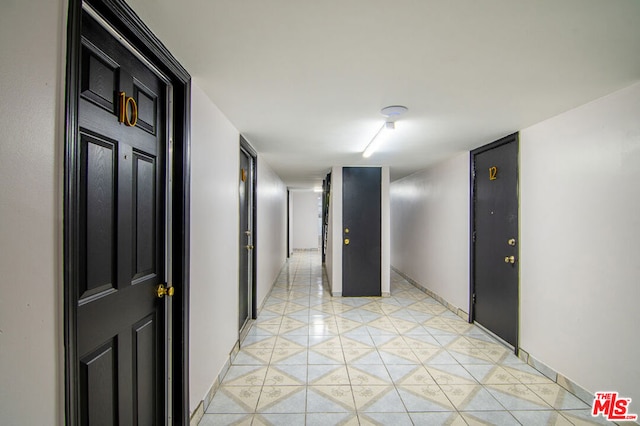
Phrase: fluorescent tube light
x=379 y=138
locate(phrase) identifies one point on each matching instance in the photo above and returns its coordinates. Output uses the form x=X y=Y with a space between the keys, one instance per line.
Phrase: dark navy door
x=495 y=238
x=121 y=227
x=361 y=244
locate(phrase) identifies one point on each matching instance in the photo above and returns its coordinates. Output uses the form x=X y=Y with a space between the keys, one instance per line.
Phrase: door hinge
x=473 y=236
x=473 y=298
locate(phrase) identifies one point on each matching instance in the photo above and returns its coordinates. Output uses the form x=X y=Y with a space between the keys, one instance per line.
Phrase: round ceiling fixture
x=393 y=111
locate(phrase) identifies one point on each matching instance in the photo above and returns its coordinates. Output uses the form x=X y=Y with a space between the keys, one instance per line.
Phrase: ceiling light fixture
x=391 y=112
x=377 y=140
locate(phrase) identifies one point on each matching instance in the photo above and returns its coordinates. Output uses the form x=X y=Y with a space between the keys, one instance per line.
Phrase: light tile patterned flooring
x=313 y=359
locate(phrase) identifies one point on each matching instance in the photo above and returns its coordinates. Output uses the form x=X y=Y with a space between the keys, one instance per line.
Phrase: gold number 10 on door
x=128 y=113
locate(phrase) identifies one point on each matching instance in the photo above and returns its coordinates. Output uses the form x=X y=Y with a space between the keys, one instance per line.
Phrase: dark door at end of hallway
x=495 y=238
x=246 y=237
x=361 y=233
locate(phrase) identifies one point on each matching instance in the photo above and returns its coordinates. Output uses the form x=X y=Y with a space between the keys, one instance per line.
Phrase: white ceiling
x=304 y=80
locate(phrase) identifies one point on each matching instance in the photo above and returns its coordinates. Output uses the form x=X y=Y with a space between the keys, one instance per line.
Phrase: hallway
x=400 y=360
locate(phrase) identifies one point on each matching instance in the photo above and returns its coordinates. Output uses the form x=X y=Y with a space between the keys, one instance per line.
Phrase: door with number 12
x=494 y=276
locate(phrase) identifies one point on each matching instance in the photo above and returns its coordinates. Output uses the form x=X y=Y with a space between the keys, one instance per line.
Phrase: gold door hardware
x=247 y=232
x=161 y=290
x=249 y=247
x=512 y=242
x=346 y=241
x=346 y=230
x=510 y=259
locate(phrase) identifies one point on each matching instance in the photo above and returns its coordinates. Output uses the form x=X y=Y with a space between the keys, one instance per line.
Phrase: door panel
x=361 y=214
x=98 y=237
x=98 y=377
x=144 y=192
x=120 y=321
x=144 y=350
x=496 y=238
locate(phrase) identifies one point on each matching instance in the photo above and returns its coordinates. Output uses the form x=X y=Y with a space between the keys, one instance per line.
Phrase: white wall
x=385 y=232
x=32 y=40
x=430 y=228
x=272 y=228
x=305 y=219
x=214 y=240
x=579 y=233
x=31 y=298
x=290 y=211
x=214 y=243
x=580 y=250
x=333 y=261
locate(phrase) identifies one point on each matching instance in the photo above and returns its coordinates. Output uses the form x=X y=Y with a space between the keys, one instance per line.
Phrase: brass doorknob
x=346 y=241
x=161 y=290
x=249 y=247
x=510 y=259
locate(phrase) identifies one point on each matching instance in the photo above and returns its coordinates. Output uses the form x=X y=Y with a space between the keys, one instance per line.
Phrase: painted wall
x=385 y=232
x=214 y=242
x=579 y=233
x=333 y=261
x=430 y=228
x=290 y=211
x=272 y=228
x=580 y=251
x=31 y=297
x=305 y=219
x=31 y=289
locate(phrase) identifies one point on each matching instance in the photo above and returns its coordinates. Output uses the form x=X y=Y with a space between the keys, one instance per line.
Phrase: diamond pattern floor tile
x=286 y=375
x=281 y=399
x=338 y=419
x=312 y=359
x=424 y=398
x=235 y=399
x=330 y=399
x=377 y=399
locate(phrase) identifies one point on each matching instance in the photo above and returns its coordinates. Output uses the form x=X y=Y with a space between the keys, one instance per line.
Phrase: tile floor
x=399 y=360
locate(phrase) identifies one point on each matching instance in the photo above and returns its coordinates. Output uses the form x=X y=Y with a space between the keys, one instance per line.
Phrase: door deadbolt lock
x=512 y=242
x=346 y=241
x=510 y=259
x=346 y=230
x=161 y=291
x=249 y=247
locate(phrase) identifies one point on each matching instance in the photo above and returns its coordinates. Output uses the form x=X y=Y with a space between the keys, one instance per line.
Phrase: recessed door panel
x=99 y=385
x=144 y=352
x=144 y=193
x=97 y=215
